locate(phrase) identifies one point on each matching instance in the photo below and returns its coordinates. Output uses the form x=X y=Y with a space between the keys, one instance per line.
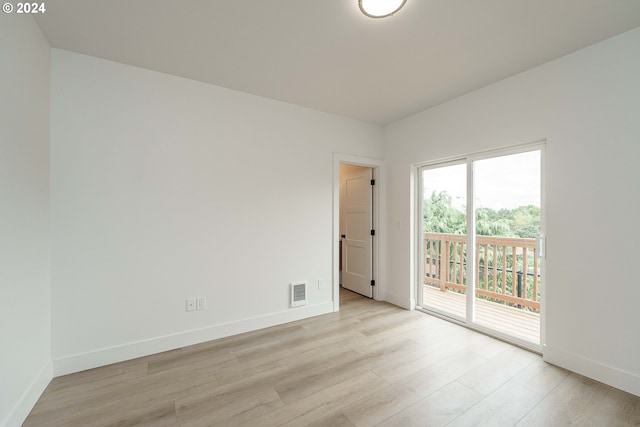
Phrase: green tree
x=440 y=216
x=489 y=223
x=526 y=221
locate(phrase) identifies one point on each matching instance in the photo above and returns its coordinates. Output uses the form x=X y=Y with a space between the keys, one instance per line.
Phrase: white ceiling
x=325 y=55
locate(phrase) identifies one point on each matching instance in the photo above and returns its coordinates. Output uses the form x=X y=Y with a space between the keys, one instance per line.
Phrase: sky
x=501 y=182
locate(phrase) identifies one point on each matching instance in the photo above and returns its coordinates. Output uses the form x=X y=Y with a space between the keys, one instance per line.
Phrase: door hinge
x=373 y=283
x=373 y=182
x=373 y=232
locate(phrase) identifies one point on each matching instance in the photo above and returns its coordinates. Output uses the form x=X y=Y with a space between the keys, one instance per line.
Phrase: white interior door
x=357 y=239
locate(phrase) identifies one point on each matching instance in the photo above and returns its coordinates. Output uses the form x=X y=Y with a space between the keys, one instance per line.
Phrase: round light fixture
x=380 y=8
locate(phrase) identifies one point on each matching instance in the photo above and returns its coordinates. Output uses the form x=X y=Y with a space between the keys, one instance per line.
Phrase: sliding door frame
x=418 y=232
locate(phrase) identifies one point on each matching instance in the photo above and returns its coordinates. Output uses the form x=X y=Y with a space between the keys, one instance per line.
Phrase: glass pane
x=507 y=202
x=444 y=239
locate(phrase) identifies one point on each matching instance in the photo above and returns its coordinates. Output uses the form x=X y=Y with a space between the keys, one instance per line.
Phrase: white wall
x=25 y=298
x=587 y=106
x=165 y=188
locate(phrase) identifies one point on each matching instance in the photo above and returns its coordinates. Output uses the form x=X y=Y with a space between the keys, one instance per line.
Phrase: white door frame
x=376 y=165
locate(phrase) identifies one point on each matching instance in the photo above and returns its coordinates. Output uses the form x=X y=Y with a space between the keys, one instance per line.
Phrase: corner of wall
x=26 y=367
x=29 y=398
x=610 y=375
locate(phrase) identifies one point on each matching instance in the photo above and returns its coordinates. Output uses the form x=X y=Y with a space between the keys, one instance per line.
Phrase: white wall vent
x=298 y=294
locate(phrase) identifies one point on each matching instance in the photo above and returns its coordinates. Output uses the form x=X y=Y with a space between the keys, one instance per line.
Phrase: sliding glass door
x=485 y=272
x=444 y=224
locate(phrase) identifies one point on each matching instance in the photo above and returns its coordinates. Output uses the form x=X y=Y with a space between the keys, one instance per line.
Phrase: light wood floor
x=370 y=364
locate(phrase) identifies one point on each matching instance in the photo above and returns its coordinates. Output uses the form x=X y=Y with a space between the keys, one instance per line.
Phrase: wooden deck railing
x=507 y=269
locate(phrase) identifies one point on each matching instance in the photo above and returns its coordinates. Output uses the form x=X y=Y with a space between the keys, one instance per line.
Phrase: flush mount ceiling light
x=380 y=8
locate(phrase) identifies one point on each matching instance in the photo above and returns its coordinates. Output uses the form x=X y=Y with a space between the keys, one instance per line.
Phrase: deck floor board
x=512 y=321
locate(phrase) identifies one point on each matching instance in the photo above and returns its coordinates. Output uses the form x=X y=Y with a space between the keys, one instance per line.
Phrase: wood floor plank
x=92 y=377
x=185 y=358
x=498 y=370
x=541 y=377
x=377 y=407
x=302 y=383
x=163 y=386
x=129 y=411
x=568 y=404
x=505 y=406
x=617 y=408
x=333 y=420
x=227 y=408
x=325 y=402
x=308 y=343
x=302 y=360
x=439 y=408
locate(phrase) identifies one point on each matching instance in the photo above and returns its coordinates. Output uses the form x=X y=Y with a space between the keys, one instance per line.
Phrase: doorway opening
x=355 y=239
x=481 y=242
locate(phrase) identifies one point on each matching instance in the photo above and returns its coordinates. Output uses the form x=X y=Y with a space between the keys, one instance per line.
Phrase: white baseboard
x=29 y=398
x=106 y=356
x=606 y=374
x=407 y=304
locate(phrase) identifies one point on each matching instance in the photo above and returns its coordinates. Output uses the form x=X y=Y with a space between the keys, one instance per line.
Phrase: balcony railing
x=507 y=269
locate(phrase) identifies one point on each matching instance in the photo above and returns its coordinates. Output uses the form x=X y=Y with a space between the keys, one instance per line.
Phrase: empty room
x=327 y=213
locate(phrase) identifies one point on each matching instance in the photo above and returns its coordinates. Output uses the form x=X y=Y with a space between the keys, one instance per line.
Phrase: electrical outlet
x=191 y=304
x=321 y=284
x=201 y=303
